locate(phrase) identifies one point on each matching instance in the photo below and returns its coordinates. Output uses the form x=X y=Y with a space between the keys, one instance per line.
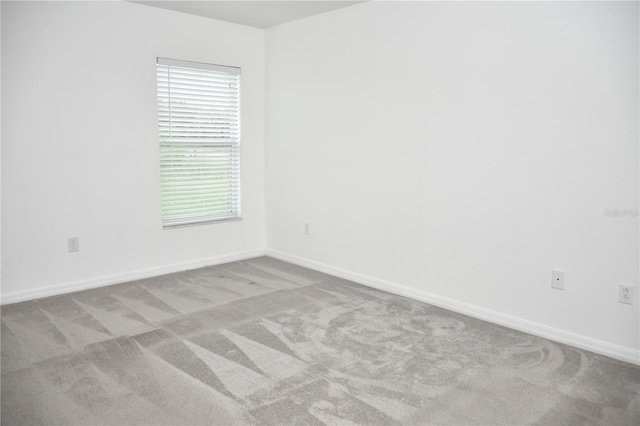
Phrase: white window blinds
x=199 y=124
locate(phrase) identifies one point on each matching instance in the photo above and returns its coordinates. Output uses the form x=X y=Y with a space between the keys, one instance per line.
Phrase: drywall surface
x=464 y=150
x=0 y=149
x=80 y=143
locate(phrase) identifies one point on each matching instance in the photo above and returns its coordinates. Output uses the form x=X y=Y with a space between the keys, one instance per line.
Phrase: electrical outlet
x=306 y=229
x=74 y=244
x=557 y=279
x=625 y=294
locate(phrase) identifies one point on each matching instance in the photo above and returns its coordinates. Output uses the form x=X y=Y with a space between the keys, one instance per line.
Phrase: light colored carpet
x=265 y=342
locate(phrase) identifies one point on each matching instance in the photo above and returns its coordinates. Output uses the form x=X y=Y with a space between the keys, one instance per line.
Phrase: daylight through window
x=199 y=124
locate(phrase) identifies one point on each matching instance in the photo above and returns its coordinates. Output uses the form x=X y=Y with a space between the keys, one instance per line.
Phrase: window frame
x=200 y=149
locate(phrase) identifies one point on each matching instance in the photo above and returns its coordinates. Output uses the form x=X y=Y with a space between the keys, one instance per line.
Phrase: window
x=199 y=125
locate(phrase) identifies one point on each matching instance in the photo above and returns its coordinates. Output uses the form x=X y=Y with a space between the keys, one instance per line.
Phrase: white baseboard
x=593 y=345
x=21 y=296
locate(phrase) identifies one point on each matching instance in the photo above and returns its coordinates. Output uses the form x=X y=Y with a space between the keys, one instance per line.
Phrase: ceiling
x=259 y=14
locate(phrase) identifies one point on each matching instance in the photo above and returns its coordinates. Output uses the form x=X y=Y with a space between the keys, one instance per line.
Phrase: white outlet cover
x=557 y=279
x=74 y=244
x=625 y=294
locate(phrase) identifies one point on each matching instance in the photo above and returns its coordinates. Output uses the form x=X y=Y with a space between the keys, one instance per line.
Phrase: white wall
x=0 y=148
x=80 y=152
x=459 y=152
